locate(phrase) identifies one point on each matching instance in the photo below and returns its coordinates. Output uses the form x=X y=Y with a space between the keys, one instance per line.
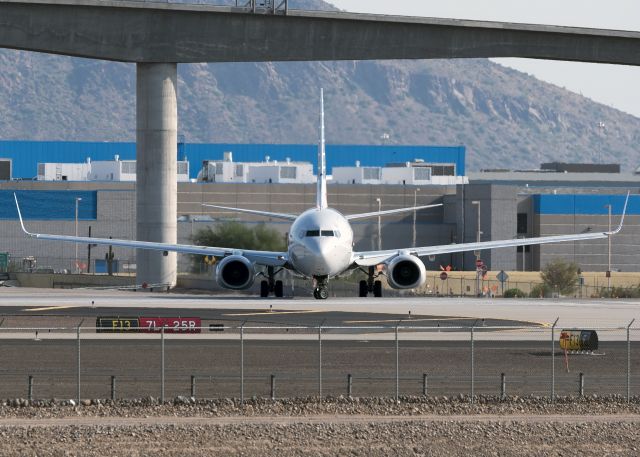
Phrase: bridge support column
x=156 y=155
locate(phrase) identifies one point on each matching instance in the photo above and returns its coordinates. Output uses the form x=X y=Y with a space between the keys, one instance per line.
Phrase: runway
x=336 y=311
x=281 y=338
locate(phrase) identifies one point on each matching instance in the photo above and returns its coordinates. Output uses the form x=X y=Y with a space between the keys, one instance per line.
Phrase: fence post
x=473 y=387
x=30 y=388
x=162 y=365
x=629 y=360
x=581 y=385
x=193 y=386
x=349 y=385
x=273 y=387
x=503 y=386
x=424 y=384
x=397 y=366
x=242 y=363
x=113 y=388
x=320 y=361
x=553 y=360
x=78 y=368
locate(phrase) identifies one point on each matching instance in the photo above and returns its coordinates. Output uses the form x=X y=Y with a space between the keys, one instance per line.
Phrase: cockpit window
x=313 y=232
x=327 y=233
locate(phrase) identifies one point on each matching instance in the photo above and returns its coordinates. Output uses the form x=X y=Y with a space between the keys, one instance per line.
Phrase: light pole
x=603 y=128
x=609 y=251
x=415 y=200
x=78 y=200
x=379 y=225
x=477 y=252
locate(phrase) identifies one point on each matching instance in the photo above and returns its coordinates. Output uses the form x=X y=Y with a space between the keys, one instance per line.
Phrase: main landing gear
x=321 y=291
x=371 y=285
x=270 y=285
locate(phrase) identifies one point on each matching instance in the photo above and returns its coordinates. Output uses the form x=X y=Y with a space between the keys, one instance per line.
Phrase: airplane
x=320 y=247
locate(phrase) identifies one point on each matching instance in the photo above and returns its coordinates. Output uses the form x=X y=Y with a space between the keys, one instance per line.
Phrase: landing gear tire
x=321 y=293
x=377 y=289
x=364 y=290
x=278 y=289
x=264 y=289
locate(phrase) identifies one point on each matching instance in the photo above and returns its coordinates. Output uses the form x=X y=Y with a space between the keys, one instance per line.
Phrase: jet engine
x=406 y=272
x=235 y=272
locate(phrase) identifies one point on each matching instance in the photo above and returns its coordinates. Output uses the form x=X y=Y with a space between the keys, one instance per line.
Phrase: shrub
x=621 y=292
x=540 y=291
x=514 y=293
x=560 y=276
x=237 y=236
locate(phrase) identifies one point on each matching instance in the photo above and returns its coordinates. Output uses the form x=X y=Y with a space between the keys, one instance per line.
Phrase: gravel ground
x=342 y=426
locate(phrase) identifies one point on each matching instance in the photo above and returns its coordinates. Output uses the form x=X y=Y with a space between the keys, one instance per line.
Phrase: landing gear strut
x=321 y=291
x=270 y=285
x=371 y=285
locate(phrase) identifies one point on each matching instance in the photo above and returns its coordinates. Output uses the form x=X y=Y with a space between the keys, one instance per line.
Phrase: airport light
x=415 y=200
x=477 y=252
x=379 y=225
x=78 y=200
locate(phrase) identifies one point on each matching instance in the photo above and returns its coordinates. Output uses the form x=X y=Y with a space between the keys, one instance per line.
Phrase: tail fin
x=321 y=193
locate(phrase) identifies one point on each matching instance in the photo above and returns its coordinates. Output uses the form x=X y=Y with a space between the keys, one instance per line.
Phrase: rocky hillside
x=504 y=117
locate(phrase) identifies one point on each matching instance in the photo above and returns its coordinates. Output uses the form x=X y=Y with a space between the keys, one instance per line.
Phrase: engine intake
x=406 y=272
x=235 y=272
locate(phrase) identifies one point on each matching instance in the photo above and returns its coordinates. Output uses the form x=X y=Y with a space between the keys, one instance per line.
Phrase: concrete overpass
x=157 y=36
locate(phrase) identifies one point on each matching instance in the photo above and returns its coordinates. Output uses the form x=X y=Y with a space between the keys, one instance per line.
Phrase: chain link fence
x=284 y=362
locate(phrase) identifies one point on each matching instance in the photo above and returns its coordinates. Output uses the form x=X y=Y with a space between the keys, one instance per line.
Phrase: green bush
x=235 y=235
x=560 y=276
x=514 y=293
x=621 y=292
x=540 y=291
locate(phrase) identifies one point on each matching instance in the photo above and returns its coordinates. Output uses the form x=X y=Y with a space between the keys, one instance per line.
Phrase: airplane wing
x=352 y=217
x=290 y=217
x=368 y=258
x=267 y=258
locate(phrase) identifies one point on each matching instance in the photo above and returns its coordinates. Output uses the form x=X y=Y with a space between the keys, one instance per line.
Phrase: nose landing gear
x=321 y=290
x=371 y=285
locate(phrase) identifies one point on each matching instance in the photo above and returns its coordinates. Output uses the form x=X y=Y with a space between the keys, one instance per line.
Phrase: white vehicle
x=320 y=247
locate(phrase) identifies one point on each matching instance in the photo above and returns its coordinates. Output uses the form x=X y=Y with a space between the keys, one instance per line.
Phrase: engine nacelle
x=406 y=272
x=235 y=272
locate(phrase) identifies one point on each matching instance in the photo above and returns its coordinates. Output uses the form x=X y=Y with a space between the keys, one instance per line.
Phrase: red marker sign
x=170 y=324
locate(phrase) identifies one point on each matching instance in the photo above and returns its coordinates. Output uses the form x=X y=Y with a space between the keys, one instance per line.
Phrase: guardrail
x=270 y=361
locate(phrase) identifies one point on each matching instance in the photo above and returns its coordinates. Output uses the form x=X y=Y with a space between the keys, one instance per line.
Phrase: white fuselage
x=320 y=243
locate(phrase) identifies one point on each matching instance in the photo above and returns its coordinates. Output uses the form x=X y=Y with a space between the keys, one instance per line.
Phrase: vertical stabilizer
x=321 y=194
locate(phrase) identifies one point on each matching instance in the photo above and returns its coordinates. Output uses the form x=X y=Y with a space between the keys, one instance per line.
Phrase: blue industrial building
x=25 y=155
x=581 y=204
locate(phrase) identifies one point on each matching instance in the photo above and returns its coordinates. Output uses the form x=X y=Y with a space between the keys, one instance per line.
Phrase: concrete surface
x=156 y=174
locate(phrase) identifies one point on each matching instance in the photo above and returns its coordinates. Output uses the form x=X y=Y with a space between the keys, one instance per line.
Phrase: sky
x=614 y=85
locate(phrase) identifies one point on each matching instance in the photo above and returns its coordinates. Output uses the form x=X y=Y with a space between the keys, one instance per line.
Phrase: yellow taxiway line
x=49 y=308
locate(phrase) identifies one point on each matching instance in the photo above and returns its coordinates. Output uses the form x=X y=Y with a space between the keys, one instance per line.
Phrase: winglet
x=624 y=212
x=20 y=215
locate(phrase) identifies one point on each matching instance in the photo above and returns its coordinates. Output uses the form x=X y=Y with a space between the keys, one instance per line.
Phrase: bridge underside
x=165 y=32
x=156 y=36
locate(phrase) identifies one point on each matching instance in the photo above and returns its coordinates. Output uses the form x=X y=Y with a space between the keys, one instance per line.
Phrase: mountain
x=507 y=119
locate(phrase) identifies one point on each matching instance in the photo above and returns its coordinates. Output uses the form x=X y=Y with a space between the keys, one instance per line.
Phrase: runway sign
x=117 y=324
x=170 y=324
x=148 y=324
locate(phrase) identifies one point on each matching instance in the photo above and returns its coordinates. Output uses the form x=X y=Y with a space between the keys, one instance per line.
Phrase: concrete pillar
x=156 y=154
